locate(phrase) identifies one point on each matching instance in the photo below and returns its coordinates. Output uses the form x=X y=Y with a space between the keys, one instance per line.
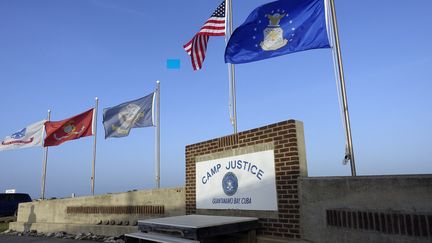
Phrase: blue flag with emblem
x=120 y=119
x=279 y=28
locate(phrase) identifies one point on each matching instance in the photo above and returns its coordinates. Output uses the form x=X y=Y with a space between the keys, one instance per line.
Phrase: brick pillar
x=287 y=140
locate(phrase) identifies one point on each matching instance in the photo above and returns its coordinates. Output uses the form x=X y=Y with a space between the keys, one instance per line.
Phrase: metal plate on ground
x=157 y=238
x=196 y=221
x=198 y=227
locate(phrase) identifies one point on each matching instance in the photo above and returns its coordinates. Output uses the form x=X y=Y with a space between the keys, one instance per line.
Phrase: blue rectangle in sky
x=173 y=63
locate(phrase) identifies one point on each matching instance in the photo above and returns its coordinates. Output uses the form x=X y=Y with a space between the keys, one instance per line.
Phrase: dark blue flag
x=120 y=119
x=279 y=28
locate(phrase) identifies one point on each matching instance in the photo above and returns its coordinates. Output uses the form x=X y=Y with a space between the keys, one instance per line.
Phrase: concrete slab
x=157 y=238
x=196 y=221
x=199 y=227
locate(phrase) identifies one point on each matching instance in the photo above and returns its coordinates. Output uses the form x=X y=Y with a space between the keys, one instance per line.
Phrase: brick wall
x=290 y=163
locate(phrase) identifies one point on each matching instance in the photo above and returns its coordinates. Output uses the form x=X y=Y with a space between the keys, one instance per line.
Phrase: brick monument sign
x=254 y=173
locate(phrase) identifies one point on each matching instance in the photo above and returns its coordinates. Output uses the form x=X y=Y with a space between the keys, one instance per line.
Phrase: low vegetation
x=3 y=226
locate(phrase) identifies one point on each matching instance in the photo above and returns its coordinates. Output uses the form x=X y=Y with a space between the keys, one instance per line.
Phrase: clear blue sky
x=60 y=55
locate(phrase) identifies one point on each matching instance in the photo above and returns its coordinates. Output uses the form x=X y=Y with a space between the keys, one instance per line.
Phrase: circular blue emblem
x=230 y=183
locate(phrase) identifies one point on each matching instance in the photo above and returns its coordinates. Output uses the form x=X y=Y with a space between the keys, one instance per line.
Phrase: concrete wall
x=53 y=215
x=390 y=200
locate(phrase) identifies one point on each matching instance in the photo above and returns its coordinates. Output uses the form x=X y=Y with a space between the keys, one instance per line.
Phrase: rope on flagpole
x=349 y=155
x=329 y=25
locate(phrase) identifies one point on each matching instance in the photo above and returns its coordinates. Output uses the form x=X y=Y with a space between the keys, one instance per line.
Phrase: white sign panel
x=10 y=191
x=244 y=182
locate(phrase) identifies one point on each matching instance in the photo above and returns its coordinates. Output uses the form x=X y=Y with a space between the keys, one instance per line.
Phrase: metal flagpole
x=157 y=134
x=95 y=112
x=343 y=91
x=44 y=165
x=232 y=80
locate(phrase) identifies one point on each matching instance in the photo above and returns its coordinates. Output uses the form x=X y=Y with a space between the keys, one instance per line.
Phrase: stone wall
x=367 y=209
x=287 y=140
x=118 y=209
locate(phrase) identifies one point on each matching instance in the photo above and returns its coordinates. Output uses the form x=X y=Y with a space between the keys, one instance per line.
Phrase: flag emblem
x=128 y=116
x=58 y=132
x=69 y=129
x=120 y=119
x=27 y=137
x=19 y=134
x=16 y=138
x=273 y=34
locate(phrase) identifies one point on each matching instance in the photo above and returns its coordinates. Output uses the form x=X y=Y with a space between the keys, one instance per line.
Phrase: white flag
x=29 y=136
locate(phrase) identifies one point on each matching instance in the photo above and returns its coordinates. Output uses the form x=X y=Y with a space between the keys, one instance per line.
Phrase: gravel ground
x=30 y=239
x=57 y=237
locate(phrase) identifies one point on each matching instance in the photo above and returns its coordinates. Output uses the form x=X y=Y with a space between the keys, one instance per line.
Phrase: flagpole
x=157 y=135
x=350 y=156
x=44 y=165
x=95 y=112
x=232 y=80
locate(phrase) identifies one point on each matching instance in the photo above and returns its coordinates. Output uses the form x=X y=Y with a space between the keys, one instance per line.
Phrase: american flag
x=214 y=26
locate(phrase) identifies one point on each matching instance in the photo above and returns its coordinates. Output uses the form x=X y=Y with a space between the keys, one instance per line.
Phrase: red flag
x=58 y=132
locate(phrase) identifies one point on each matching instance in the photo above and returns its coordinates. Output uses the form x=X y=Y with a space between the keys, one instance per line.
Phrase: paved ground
x=29 y=239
